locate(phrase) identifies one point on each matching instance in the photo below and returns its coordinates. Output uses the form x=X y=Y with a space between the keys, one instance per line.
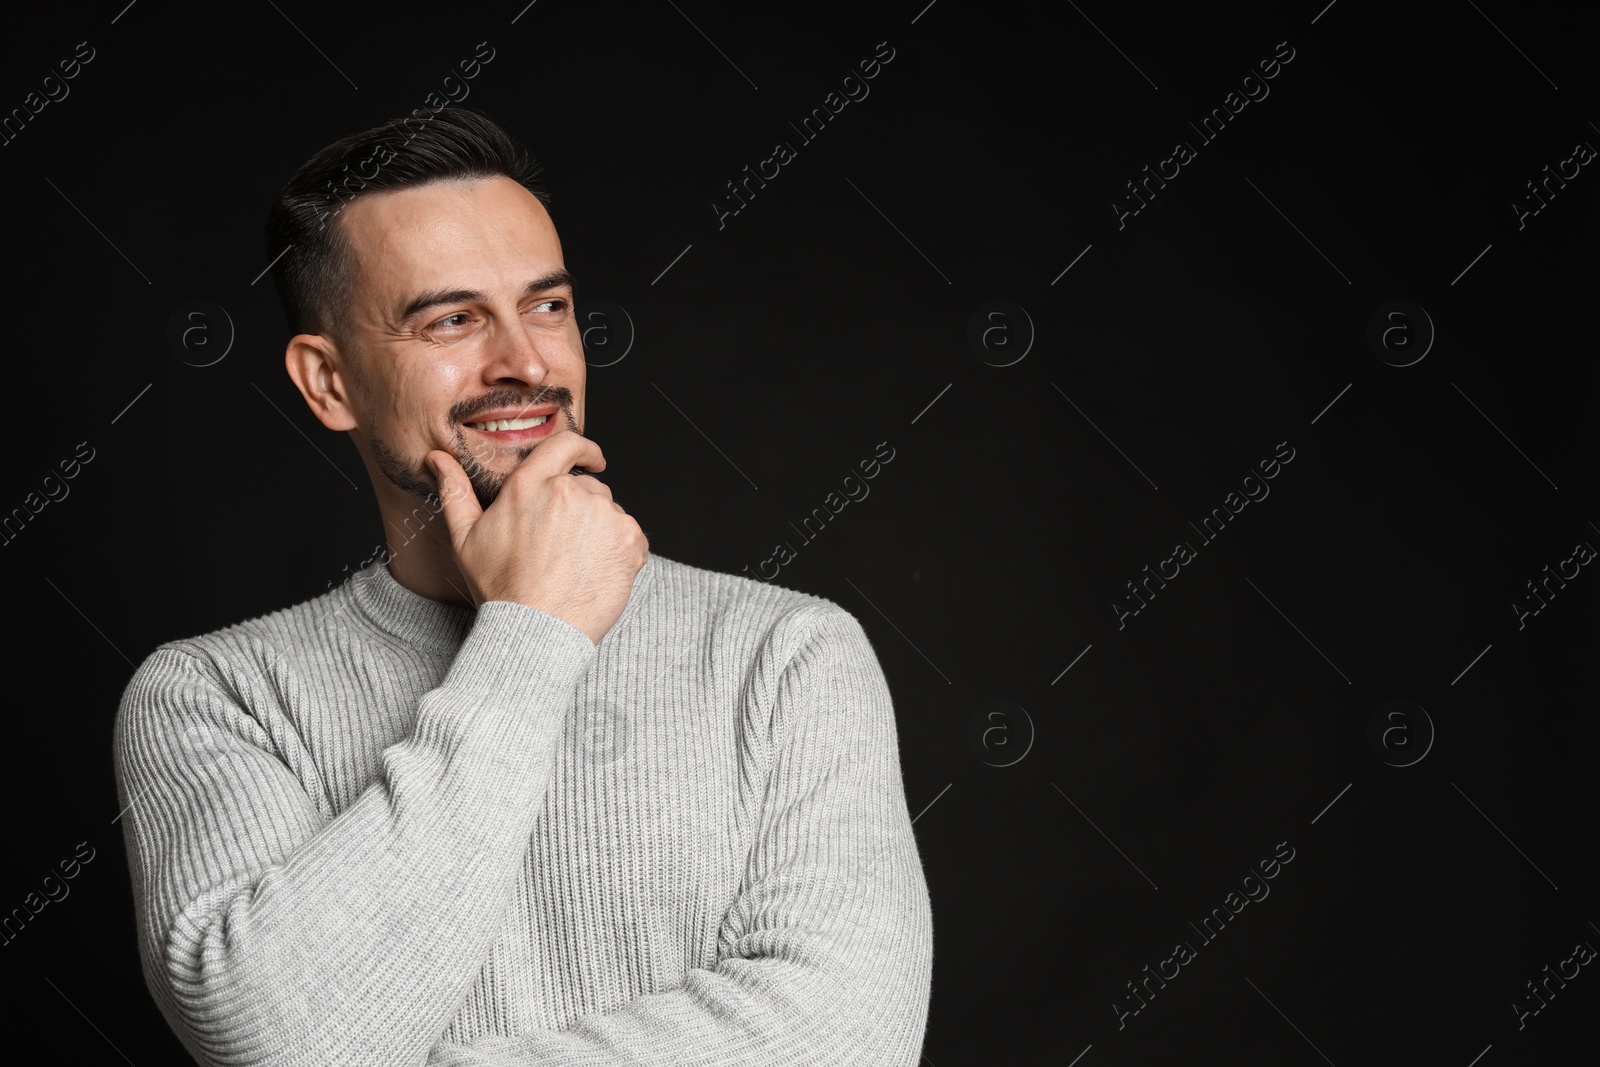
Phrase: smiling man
x=526 y=793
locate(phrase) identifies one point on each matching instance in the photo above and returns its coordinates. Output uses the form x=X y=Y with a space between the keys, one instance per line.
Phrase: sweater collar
x=434 y=626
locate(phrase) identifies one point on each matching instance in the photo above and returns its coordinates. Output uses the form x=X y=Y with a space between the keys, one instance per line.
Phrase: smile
x=500 y=425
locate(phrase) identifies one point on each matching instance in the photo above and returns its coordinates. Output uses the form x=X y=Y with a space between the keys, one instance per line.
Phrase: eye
x=555 y=305
x=453 y=327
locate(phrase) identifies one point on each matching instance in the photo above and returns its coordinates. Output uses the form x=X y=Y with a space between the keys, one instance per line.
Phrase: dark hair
x=314 y=270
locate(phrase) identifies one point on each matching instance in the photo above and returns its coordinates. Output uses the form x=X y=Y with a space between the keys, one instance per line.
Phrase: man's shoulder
x=731 y=598
x=722 y=610
x=215 y=683
x=254 y=642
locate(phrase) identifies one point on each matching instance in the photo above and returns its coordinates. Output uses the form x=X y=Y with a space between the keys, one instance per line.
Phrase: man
x=376 y=827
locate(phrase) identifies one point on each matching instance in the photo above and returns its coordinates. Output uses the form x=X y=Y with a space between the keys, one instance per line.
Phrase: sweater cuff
x=511 y=643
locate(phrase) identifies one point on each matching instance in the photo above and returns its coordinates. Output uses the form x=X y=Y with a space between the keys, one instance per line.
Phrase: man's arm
x=826 y=954
x=273 y=933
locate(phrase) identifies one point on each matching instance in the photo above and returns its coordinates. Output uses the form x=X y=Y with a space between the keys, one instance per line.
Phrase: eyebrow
x=554 y=280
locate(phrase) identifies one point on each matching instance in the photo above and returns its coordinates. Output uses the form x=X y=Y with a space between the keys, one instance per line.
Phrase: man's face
x=461 y=331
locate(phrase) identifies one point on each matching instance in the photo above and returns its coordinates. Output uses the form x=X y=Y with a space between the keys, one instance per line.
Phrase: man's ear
x=313 y=362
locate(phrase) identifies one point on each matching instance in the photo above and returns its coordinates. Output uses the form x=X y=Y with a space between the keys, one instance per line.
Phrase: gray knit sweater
x=374 y=829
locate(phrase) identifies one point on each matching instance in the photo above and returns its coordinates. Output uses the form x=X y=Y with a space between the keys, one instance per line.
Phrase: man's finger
x=565 y=450
x=459 y=502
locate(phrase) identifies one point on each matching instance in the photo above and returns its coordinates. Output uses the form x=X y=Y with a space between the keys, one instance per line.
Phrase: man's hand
x=550 y=540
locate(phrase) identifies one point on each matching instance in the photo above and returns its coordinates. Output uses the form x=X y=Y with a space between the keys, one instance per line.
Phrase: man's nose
x=515 y=355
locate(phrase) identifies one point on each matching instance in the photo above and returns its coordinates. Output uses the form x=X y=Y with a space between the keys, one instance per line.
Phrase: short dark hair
x=315 y=277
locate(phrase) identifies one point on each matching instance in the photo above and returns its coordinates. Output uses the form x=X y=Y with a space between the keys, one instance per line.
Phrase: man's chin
x=417 y=481
x=485 y=487
x=487 y=478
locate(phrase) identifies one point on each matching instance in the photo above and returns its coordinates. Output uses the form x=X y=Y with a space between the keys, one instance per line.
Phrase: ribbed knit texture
x=374 y=829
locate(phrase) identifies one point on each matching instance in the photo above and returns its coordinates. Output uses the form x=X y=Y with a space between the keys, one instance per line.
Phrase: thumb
x=456 y=498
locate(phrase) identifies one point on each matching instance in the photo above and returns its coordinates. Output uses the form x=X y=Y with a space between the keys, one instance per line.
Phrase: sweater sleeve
x=272 y=933
x=826 y=953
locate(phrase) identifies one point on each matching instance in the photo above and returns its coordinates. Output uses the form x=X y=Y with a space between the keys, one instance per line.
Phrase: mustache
x=507 y=397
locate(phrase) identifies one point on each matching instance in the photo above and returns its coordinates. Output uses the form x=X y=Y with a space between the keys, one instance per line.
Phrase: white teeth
x=511 y=424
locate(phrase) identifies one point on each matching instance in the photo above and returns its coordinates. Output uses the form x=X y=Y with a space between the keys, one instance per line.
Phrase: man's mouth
x=516 y=425
x=496 y=425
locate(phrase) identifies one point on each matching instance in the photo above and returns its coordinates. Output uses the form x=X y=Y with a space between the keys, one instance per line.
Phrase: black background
x=825 y=318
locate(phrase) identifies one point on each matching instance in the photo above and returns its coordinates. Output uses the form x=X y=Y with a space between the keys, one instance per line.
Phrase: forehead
x=483 y=234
